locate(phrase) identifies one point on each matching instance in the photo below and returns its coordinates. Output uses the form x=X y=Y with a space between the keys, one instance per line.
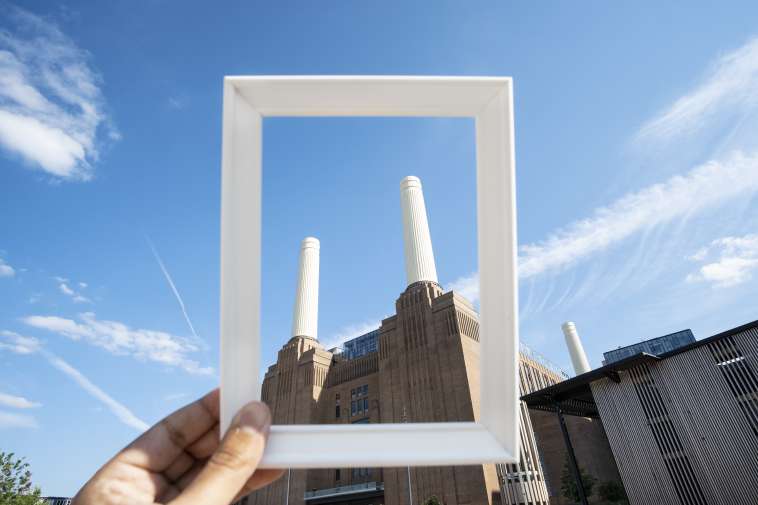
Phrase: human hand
x=180 y=460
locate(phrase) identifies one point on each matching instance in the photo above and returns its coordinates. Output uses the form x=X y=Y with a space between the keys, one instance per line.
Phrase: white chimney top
x=419 y=258
x=578 y=356
x=305 y=314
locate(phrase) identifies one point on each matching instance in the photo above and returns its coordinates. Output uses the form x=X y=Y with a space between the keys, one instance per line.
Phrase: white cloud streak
x=729 y=91
x=14 y=420
x=29 y=345
x=728 y=261
x=173 y=288
x=731 y=84
x=6 y=270
x=19 y=344
x=704 y=187
x=118 y=338
x=120 y=411
x=51 y=104
x=17 y=402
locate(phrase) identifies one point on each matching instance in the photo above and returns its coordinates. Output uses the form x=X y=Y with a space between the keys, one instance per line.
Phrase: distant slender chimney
x=305 y=315
x=578 y=357
x=419 y=258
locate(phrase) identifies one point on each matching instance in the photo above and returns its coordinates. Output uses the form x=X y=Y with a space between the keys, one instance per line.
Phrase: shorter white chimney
x=578 y=356
x=305 y=314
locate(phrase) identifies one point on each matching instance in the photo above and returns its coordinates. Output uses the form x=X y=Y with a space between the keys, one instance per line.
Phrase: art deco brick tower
x=429 y=365
x=293 y=386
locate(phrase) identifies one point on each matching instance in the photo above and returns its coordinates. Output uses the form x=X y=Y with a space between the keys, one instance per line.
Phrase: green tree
x=568 y=484
x=612 y=491
x=432 y=500
x=16 y=482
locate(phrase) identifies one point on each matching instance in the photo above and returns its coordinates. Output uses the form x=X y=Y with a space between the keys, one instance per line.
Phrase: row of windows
x=360 y=472
x=359 y=391
x=359 y=407
x=357 y=473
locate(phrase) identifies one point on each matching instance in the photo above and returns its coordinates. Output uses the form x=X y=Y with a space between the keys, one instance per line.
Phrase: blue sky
x=637 y=161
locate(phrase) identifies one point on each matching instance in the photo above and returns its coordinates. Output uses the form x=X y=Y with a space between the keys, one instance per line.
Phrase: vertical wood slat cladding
x=684 y=430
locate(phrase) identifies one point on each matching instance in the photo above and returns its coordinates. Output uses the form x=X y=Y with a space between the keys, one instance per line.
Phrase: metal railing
x=542 y=360
x=343 y=490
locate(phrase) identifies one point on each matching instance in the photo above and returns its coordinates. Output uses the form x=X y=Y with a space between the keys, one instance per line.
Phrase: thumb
x=235 y=460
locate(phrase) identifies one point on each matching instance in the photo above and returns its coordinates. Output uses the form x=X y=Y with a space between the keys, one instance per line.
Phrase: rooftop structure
x=361 y=345
x=658 y=345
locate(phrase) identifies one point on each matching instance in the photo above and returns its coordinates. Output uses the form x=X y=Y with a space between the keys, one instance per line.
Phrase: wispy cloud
x=704 y=187
x=730 y=86
x=29 y=345
x=120 y=411
x=118 y=338
x=177 y=102
x=52 y=111
x=467 y=286
x=351 y=331
x=15 y=420
x=19 y=344
x=17 y=402
x=6 y=270
x=727 y=261
x=66 y=289
x=173 y=288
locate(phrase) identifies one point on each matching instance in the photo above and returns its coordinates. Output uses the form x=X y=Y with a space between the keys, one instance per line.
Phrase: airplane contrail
x=173 y=288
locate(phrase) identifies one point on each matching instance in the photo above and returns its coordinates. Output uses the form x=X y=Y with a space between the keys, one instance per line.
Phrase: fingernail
x=255 y=416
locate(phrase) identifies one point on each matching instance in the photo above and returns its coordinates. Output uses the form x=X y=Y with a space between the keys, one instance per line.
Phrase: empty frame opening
x=376 y=321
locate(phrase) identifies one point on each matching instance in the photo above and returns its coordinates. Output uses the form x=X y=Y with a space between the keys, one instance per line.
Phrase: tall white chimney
x=419 y=258
x=305 y=315
x=578 y=356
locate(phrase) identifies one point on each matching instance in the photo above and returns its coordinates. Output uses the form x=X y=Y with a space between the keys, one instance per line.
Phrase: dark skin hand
x=180 y=460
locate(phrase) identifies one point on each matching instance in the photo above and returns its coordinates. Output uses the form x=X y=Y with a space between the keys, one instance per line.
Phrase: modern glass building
x=655 y=346
x=362 y=345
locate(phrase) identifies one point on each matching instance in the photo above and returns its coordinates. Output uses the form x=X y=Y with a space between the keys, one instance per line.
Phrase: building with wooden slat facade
x=682 y=425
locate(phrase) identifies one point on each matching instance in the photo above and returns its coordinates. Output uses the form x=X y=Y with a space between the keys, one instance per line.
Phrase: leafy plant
x=432 y=500
x=568 y=484
x=612 y=491
x=16 y=482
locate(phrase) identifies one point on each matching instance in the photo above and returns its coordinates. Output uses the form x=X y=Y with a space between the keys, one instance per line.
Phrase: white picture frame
x=249 y=99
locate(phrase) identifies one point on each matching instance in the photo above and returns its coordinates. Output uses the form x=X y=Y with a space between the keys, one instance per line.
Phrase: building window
x=365 y=404
x=352 y=408
x=365 y=389
x=360 y=472
x=337 y=474
x=337 y=411
x=352 y=394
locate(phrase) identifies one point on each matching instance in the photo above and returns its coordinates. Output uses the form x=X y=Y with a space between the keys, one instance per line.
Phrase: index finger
x=159 y=446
